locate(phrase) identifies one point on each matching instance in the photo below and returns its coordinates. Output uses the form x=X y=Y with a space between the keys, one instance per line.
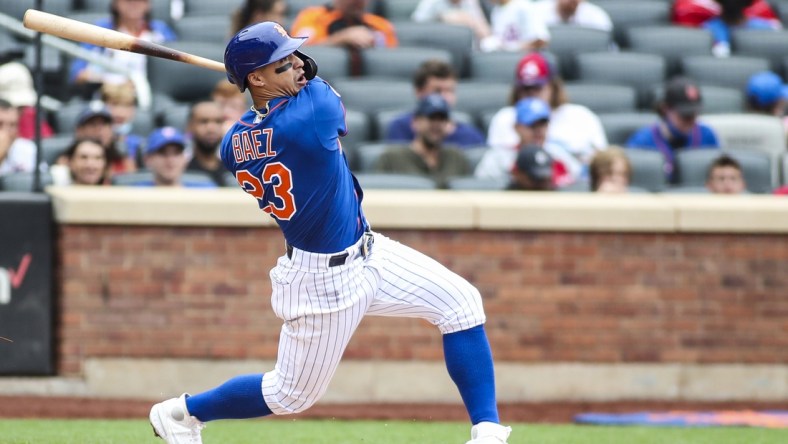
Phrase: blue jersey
x=292 y=162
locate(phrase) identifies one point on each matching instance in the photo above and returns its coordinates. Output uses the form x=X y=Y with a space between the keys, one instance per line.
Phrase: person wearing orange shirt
x=344 y=23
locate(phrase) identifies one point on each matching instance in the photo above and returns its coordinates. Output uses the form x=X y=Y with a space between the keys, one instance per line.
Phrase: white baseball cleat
x=171 y=422
x=489 y=433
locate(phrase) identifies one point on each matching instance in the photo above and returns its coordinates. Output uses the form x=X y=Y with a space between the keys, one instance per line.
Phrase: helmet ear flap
x=310 y=66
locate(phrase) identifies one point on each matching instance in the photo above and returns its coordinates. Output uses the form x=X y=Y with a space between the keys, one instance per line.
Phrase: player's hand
x=359 y=37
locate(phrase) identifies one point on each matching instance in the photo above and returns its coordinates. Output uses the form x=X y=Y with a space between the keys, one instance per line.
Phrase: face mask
x=122 y=129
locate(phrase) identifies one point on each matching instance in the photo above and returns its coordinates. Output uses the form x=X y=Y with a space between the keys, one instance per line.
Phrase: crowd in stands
x=593 y=98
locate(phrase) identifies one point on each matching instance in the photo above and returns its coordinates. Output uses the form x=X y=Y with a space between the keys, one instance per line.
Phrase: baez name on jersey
x=255 y=144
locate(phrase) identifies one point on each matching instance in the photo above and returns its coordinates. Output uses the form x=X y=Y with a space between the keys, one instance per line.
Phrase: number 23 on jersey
x=275 y=173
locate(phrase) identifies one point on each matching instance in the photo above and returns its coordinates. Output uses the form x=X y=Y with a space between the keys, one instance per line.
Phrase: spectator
x=232 y=102
x=16 y=87
x=678 y=127
x=695 y=12
x=131 y=17
x=766 y=94
x=725 y=176
x=532 y=126
x=532 y=170
x=95 y=122
x=515 y=26
x=205 y=128
x=731 y=17
x=574 y=126
x=17 y=155
x=87 y=163
x=255 y=11
x=573 y=12
x=344 y=23
x=468 y=13
x=611 y=171
x=427 y=154
x=121 y=102
x=165 y=158
x=435 y=77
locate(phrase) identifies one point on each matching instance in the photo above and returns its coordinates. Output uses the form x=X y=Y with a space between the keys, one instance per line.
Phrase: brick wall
x=158 y=292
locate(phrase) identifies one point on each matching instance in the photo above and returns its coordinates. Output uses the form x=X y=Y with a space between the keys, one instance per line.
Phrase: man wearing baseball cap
x=766 y=94
x=165 y=158
x=533 y=170
x=678 y=127
x=427 y=154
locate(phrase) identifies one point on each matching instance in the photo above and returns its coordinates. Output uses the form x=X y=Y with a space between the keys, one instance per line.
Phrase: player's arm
x=328 y=113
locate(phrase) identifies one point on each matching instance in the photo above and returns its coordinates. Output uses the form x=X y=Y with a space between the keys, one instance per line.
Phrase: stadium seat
x=620 y=126
x=359 y=130
x=175 y=114
x=627 y=13
x=716 y=99
x=640 y=71
x=53 y=147
x=477 y=97
x=693 y=165
x=783 y=162
x=213 y=7
x=400 y=10
x=730 y=72
x=499 y=66
x=295 y=6
x=66 y=118
x=184 y=82
x=751 y=132
x=603 y=98
x=333 y=62
x=671 y=42
x=458 y=40
x=772 y=45
x=648 y=169
x=477 y=184
x=475 y=154
x=399 y=63
x=17 y=8
x=23 y=181
x=373 y=95
x=368 y=153
x=567 y=42
x=203 y=28
x=146 y=177
x=388 y=181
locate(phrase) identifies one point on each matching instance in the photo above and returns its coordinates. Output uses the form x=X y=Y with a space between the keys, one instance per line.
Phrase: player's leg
x=321 y=307
x=415 y=285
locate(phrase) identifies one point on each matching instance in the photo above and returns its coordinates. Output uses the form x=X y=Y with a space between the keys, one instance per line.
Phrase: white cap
x=16 y=84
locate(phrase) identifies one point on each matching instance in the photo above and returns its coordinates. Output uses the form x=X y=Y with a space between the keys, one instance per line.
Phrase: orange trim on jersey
x=313 y=22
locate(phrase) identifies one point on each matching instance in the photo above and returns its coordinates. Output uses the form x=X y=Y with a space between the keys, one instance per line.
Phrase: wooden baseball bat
x=108 y=38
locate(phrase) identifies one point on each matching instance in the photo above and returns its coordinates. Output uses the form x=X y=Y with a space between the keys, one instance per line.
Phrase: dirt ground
x=552 y=412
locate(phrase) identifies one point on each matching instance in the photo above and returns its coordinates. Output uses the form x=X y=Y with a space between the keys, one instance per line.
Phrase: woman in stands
x=131 y=17
x=87 y=163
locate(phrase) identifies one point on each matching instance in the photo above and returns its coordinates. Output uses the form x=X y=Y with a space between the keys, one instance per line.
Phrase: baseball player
x=286 y=153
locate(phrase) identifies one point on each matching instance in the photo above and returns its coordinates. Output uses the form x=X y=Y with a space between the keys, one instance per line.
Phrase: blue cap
x=433 y=105
x=162 y=137
x=765 y=88
x=532 y=110
x=94 y=109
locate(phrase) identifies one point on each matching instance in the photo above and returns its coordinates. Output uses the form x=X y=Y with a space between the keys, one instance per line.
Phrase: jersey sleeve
x=328 y=112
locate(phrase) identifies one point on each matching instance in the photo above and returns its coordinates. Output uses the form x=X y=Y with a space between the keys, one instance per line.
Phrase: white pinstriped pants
x=321 y=307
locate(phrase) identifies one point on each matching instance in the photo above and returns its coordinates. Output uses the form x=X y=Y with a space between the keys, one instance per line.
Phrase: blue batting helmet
x=256 y=46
